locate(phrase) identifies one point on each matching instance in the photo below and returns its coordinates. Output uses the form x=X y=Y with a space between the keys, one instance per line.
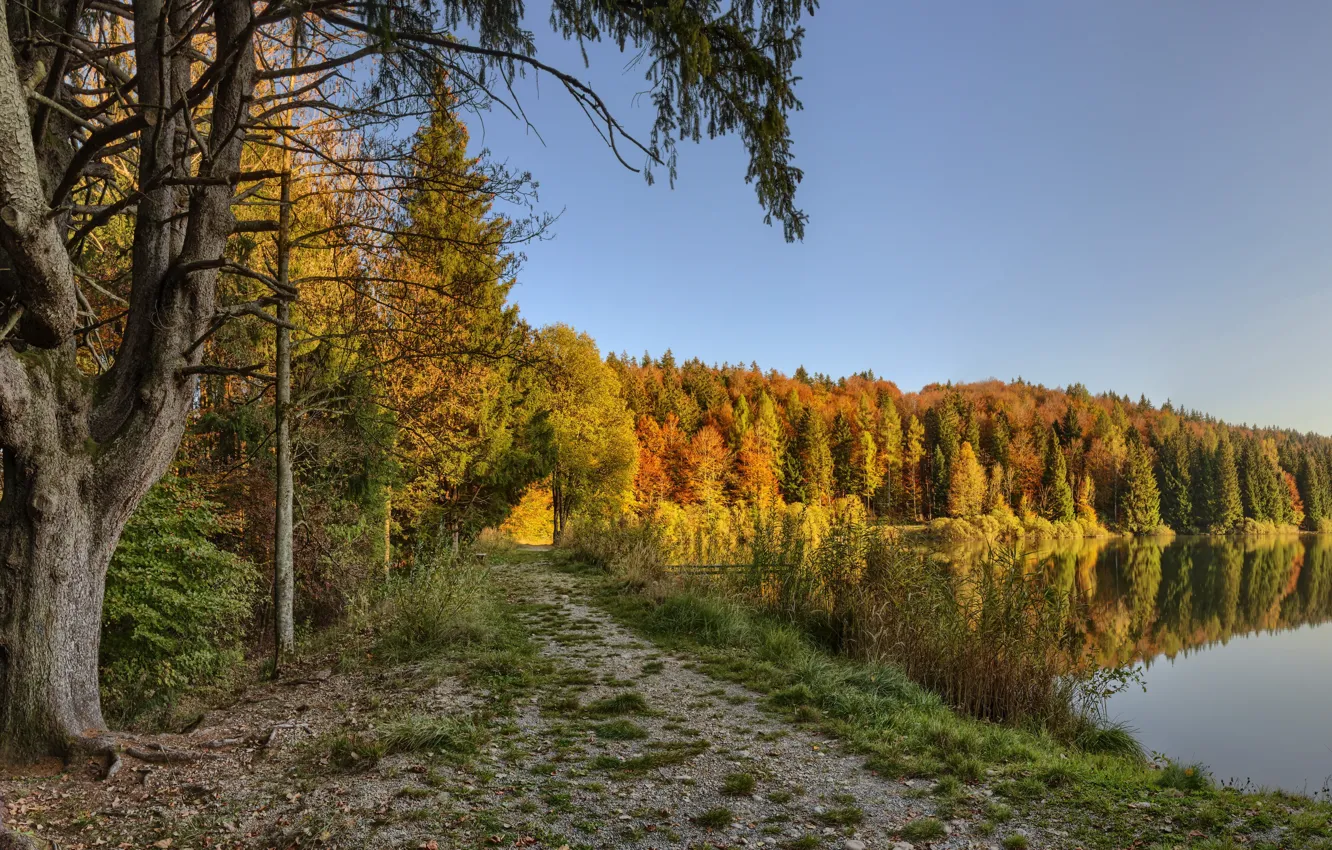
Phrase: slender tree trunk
x=284 y=576
x=388 y=529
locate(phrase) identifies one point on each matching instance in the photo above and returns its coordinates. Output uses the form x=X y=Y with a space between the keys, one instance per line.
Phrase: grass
x=1016 y=841
x=841 y=816
x=422 y=733
x=628 y=702
x=1180 y=777
x=620 y=730
x=739 y=784
x=664 y=754
x=715 y=818
x=924 y=829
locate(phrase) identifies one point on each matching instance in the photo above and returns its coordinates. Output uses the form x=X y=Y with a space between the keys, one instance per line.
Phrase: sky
x=1136 y=196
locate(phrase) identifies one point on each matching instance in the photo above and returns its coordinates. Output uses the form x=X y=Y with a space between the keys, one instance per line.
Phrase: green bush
x=176 y=605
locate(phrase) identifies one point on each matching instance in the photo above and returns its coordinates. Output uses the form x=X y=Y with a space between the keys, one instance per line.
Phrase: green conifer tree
x=815 y=454
x=940 y=479
x=741 y=422
x=1310 y=481
x=1176 y=481
x=1228 y=509
x=1057 y=494
x=842 y=445
x=1140 y=508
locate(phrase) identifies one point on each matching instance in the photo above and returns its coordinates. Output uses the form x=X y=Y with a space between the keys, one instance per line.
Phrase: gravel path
x=613 y=744
x=807 y=792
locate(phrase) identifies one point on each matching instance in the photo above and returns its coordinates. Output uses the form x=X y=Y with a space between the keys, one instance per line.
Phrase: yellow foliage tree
x=966 y=491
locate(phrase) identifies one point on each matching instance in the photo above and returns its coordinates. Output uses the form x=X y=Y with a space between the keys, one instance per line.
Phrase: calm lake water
x=1233 y=637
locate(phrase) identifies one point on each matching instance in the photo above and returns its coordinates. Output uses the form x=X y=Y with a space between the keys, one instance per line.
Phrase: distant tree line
x=732 y=434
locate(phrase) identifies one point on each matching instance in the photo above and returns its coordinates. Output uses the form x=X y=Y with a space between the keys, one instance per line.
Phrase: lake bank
x=1201 y=619
x=1081 y=798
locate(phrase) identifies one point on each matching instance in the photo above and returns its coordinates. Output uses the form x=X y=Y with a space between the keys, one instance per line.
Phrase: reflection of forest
x=1145 y=597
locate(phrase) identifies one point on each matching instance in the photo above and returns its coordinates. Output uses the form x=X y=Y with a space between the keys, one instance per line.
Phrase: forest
x=1060 y=461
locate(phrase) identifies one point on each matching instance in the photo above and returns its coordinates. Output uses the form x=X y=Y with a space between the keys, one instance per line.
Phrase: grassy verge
x=1098 y=792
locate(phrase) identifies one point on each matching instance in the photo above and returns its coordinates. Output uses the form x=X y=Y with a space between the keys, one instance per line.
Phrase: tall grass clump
x=437 y=605
x=632 y=551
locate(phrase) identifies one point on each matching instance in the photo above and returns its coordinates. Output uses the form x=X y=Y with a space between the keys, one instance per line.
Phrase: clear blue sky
x=1134 y=195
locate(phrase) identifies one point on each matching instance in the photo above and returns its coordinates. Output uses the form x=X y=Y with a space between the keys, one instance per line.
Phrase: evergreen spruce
x=1140 y=504
x=1228 y=509
x=1055 y=489
x=1310 y=481
x=1176 y=481
x=843 y=451
x=816 y=462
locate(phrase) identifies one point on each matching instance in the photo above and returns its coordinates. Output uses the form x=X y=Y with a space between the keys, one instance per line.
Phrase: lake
x=1233 y=639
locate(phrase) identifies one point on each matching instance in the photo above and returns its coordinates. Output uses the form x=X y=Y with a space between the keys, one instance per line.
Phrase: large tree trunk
x=59 y=523
x=54 y=556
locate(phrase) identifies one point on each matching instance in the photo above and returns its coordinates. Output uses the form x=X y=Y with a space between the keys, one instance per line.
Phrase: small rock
x=854 y=844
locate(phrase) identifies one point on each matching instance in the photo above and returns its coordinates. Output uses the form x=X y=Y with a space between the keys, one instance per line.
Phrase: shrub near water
x=176 y=605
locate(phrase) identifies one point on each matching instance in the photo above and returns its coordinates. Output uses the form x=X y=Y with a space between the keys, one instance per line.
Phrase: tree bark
x=284 y=576
x=57 y=533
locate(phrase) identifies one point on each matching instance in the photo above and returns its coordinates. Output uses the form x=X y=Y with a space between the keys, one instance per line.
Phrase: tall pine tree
x=1228 y=509
x=1140 y=502
x=1056 y=492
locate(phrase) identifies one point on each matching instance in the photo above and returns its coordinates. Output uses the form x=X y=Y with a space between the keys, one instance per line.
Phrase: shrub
x=176 y=604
